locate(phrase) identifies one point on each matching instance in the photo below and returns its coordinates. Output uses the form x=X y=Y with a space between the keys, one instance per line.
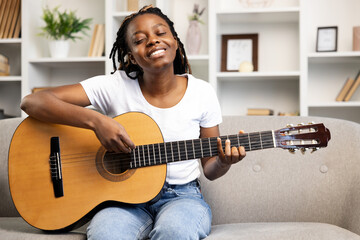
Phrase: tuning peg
x=303 y=150
x=290 y=125
x=314 y=149
x=291 y=150
x=312 y=122
x=301 y=124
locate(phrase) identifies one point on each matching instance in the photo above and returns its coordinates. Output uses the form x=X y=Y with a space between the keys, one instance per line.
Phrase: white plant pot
x=59 y=48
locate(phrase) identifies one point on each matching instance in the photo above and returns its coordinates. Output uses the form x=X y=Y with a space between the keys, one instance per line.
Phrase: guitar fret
x=261 y=141
x=154 y=153
x=139 y=156
x=149 y=155
x=193 y=148
x=172 y=152
x=202 y=153
x=144 y=155
x=166 y=159
x=210 y=146
x=186 y=150
x=159 y=153
x=179 y=151
x=249 y=141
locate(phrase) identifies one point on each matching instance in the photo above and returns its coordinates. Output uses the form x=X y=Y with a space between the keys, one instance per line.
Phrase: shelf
x=68 y=62
x=10 y=79
x=256 y=76
x=333 y=57
x=336 y=104
x=10 y=41
x=289 y=14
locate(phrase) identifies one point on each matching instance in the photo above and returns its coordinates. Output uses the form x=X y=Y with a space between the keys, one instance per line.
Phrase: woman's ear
x=177 y=42
x=131 y=58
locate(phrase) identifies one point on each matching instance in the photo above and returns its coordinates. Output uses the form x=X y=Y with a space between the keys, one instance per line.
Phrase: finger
x=241 y=132
x=126 y=140
x=220 y=149
x=242 y=152
x=234 y=155
x=227 y=148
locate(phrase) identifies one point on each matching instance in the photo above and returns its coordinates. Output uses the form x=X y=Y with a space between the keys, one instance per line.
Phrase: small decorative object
x=246 y=66
x=257 y=3
x=236 y=49
x=193 y=36
x=60 y=27
x=326 y=39
x=4 y=66
x=356 y=38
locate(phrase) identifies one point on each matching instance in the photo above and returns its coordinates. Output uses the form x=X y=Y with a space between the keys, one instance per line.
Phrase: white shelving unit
x=291 y=76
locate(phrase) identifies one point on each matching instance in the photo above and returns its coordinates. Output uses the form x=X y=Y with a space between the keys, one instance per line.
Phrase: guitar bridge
x=55 y=167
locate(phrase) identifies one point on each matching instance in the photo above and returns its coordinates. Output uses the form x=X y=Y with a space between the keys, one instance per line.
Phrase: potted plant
x=60 y=27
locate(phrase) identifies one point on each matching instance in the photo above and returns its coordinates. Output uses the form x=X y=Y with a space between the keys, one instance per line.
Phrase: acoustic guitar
x=60 y=175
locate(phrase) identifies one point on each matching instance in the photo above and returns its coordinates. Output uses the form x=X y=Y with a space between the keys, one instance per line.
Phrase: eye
x=138 y=41
x=161 y=33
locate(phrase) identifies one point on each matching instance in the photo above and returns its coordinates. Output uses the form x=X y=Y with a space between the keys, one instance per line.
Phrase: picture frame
x=326 y=39
x=237 y=48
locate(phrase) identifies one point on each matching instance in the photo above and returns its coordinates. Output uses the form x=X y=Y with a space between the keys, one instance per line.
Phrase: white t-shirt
x=117 y=94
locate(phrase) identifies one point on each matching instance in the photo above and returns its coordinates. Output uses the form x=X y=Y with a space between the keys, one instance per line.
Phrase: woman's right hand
x=113 y=135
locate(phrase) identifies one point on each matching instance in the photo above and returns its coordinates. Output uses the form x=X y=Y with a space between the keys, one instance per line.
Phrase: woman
x=152 y=79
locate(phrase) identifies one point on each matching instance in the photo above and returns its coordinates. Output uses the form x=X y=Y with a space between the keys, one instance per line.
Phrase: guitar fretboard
x=168 y=152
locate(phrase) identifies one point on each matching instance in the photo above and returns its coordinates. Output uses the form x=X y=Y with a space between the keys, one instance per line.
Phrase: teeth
x=157 y=52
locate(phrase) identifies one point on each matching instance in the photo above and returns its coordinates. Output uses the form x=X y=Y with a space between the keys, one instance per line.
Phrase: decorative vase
x=193 y=38
x=59 y=48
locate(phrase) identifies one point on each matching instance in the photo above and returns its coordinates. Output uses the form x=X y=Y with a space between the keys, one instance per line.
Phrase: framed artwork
x=326 y=40
x=238 y=48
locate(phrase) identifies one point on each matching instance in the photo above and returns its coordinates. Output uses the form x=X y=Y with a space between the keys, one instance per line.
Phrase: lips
x=157 y=52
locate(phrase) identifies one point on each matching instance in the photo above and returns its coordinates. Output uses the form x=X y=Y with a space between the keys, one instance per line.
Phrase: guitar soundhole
x=116 y=163
x=113 y=166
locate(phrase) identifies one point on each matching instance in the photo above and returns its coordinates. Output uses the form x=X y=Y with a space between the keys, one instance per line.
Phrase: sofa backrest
x=275 y=185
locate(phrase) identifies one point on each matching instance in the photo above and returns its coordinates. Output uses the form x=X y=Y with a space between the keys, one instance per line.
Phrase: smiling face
x=151 y=43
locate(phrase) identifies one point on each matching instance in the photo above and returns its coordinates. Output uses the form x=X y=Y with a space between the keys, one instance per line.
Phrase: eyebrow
x=155 y=26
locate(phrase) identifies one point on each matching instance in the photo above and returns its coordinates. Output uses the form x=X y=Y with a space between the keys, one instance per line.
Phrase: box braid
x=120 y=46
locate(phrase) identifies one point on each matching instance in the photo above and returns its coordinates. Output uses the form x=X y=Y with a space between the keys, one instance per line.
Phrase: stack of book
x=4 y=66
x=10 y=18
x=97 y=45
x=260 y=112
x=349 y=88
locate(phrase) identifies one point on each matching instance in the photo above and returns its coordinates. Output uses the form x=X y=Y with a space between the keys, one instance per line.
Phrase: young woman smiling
x=154 y=78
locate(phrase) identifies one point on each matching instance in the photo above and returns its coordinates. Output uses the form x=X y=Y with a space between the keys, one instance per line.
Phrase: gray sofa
x=271 y=194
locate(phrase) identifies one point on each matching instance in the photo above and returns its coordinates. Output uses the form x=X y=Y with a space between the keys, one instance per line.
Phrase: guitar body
x=87 y=182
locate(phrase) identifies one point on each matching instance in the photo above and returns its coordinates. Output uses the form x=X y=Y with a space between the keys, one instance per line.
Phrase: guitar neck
x=168 y=152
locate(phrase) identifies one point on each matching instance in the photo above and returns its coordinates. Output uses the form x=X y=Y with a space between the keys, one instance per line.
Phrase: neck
x=158 y=84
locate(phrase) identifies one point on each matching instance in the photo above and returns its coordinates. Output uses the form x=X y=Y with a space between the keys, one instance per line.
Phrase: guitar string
x=128 y=157
x=231 y=137
x=124 y=162
x=82 y=155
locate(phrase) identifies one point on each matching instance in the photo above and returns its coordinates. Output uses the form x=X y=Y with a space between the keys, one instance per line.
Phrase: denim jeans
x=180 y=213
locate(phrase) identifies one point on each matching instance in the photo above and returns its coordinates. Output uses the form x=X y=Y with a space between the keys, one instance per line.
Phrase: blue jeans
x=180 y=213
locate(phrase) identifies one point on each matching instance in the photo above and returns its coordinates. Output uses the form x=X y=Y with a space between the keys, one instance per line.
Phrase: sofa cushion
x=276 y=231
x=7 y=128
x=15 y=228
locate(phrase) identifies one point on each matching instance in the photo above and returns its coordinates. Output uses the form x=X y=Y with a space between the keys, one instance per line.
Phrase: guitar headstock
x=303 y=137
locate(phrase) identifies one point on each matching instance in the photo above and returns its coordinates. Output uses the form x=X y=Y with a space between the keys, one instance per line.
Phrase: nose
x=152 y=40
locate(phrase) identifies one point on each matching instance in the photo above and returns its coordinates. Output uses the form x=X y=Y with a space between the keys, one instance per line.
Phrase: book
x=92 y=43
x=9 y=20
x=260 y=112
x=97 y=45
x=353 y=88
x=345 y=89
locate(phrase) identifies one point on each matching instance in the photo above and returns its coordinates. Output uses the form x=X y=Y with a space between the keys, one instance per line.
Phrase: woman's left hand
x=232 y=154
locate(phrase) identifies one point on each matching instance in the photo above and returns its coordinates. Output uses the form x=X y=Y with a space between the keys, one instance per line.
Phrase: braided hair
x=120 y=46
